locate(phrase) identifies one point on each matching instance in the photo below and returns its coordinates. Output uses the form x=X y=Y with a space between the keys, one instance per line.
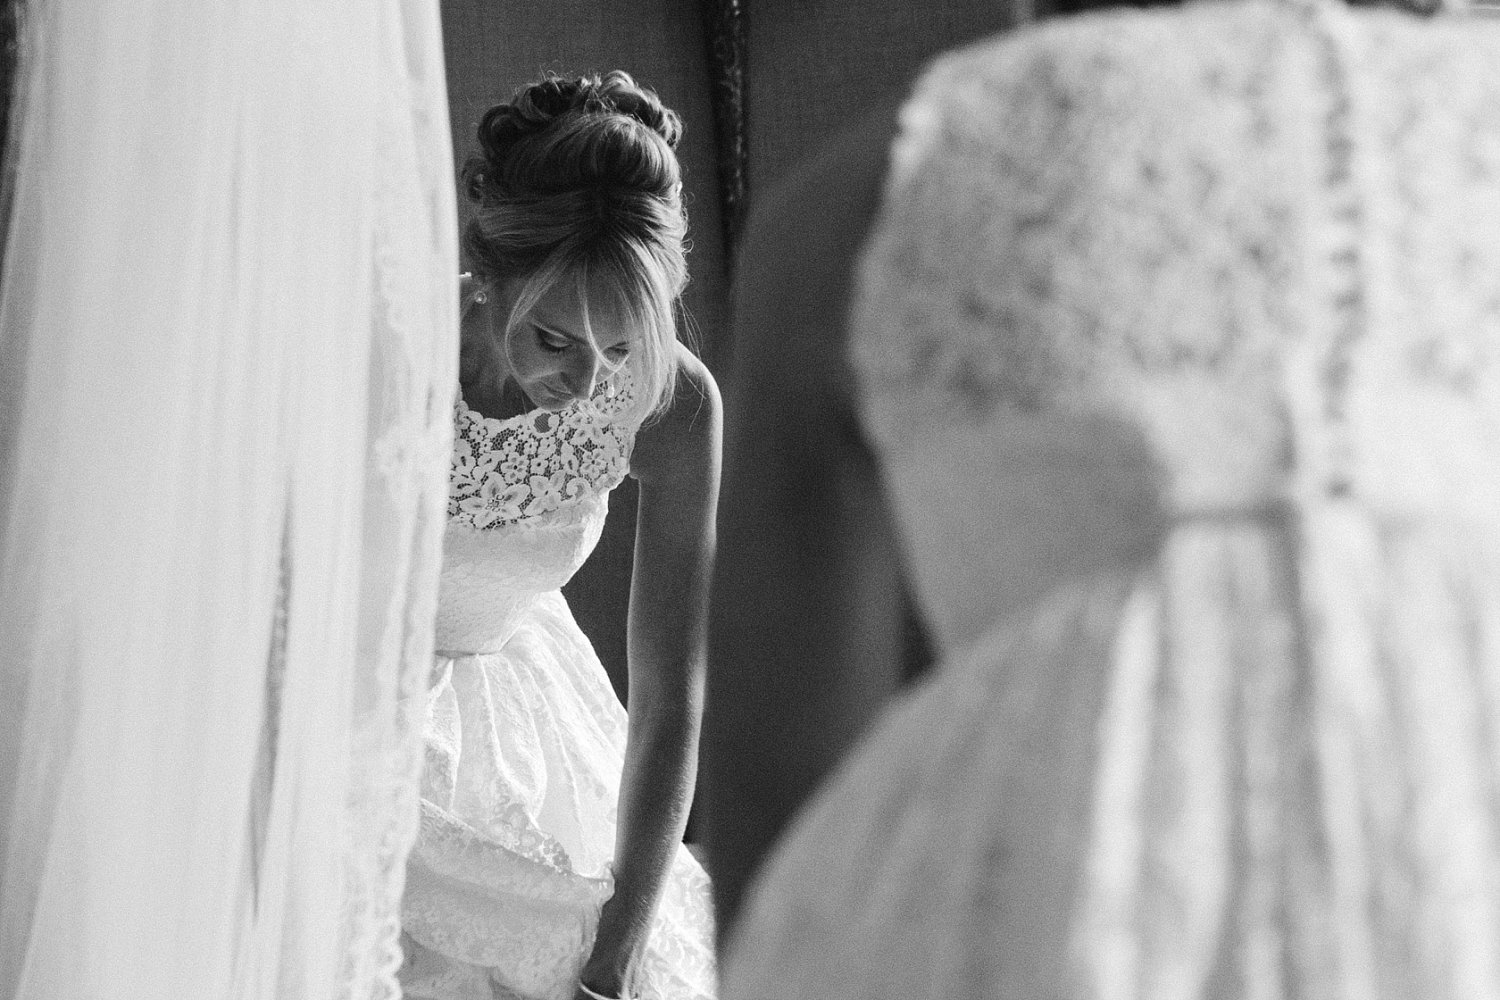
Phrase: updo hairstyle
x=577 y=180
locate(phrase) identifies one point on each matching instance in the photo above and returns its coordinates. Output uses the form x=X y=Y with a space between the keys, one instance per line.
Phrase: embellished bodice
x=527 y=500
x=1153 y=265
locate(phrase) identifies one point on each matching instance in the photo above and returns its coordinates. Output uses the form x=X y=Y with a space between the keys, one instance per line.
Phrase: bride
x=549 y=861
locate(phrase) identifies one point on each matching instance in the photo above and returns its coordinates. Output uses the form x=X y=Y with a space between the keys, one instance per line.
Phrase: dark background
x=780 y=73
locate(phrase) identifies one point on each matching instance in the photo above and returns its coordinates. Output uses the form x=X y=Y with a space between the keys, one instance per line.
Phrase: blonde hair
x=578 y=179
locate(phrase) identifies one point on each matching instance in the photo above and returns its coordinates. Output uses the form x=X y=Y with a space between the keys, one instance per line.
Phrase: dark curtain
x=12 y=15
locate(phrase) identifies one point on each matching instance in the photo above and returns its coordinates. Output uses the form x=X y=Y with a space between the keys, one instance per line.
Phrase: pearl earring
x=481 y=296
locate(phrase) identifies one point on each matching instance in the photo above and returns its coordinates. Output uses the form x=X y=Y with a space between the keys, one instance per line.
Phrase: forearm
x=656 y=789
x=676 y=461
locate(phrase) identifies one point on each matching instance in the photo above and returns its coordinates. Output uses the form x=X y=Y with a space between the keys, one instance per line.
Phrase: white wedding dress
x=525 y=735
x=1178 y=343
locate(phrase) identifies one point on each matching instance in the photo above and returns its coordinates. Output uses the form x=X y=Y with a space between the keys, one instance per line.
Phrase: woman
x=1168 y=390
x=549 y=862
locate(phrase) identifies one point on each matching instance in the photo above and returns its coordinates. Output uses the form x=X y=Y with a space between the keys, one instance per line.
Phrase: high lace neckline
x=602 y=396
x=508 y=470
x=496 y=423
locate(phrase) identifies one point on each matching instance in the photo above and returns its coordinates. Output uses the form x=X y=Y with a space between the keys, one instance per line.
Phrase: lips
x=546 y=394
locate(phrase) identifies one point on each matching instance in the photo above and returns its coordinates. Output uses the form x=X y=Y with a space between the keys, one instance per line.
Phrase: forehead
x=565 y=309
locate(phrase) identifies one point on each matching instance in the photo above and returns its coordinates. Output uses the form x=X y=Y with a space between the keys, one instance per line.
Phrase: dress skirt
x=524 y=749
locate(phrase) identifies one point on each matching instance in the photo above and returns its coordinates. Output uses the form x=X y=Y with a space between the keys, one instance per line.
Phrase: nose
x=582 y=374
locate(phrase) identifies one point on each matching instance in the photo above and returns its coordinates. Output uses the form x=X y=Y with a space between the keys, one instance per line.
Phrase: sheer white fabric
x=1176 y=340
x=230 y=325
x=525 y=735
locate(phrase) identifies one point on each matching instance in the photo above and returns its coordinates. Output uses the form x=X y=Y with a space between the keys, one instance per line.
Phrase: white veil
x=228 y=334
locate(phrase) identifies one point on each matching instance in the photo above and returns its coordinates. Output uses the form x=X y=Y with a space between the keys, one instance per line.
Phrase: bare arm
x=811 y=623
x=676 y=460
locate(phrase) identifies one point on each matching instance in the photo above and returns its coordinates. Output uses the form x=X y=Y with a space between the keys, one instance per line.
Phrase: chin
x=545 y=399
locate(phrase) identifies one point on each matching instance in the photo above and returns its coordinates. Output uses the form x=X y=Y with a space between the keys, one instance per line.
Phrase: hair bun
x=536 y=106
x=534 y=109
x=618 y=91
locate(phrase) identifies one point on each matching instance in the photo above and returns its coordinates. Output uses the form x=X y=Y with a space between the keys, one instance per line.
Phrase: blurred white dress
x=1177 y=341
x=525 y=735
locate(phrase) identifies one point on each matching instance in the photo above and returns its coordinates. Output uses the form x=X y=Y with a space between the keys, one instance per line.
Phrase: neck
x=489 y=391
x=483 y=374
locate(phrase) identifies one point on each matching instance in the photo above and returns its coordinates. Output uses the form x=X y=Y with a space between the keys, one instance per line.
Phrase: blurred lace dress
x=525 y=735
x=1177 y=342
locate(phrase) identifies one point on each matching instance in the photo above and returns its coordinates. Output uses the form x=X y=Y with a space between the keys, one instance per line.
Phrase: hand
x=592 y=992
x=618 y=944
x=602 y=979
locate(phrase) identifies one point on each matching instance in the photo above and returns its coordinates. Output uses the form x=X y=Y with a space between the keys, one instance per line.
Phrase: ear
x=471 y=291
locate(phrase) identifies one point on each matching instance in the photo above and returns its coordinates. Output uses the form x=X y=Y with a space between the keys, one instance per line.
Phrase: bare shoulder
x=689 y=431
x=696 y=392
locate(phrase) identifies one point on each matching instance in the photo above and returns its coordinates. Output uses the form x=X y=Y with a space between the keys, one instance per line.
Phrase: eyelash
x=548 y=344
x=557 y=347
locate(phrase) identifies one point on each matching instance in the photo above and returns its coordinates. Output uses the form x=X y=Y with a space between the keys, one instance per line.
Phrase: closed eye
x=552 y=342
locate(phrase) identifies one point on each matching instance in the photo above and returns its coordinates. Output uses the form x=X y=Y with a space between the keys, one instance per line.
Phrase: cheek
x=528 y=361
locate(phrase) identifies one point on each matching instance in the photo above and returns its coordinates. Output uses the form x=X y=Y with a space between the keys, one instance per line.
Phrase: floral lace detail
x=1125 y=239
x=525 y=737
x=509 y=471
x=1239 y=250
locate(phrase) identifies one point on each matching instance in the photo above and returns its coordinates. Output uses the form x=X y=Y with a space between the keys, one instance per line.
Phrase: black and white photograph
x=750 y=500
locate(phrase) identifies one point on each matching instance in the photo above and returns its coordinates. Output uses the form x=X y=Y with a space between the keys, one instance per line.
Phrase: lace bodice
x=527 y=501
x=1154 y=265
